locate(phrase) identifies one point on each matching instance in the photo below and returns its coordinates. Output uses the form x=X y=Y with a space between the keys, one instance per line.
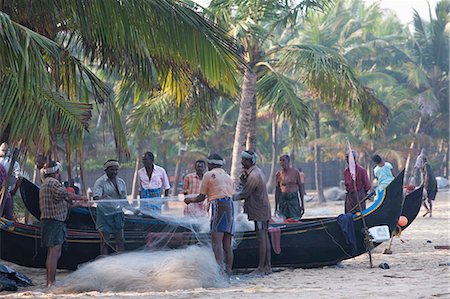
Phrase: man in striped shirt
x=191 y=185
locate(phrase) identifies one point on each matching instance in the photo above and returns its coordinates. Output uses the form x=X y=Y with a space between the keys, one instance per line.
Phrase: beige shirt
x=216 y=184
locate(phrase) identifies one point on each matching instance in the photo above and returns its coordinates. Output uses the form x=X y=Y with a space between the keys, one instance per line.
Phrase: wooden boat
x=310 y=243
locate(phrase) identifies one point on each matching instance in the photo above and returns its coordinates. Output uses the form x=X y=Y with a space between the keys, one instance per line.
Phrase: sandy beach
x=417 y=270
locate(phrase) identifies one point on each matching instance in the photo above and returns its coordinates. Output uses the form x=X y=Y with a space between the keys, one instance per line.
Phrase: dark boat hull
x=312 y=243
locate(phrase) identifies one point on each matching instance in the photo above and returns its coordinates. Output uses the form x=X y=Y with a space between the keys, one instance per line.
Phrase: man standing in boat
x=192 y=182
x=355 y=197
x=288 y=186
x=54 y=203
x=110 y=218
x=217 y=186
x=153 y=181
x=384 y=172
x=257 y=207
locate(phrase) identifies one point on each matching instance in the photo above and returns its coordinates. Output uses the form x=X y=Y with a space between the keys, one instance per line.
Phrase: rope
x=334 y=240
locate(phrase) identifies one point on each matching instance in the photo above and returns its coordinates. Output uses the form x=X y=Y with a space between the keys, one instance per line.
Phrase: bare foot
x=258 y=273
x=426 y=213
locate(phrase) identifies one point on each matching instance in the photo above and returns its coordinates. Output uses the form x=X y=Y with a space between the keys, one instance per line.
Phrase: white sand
x=417 y=270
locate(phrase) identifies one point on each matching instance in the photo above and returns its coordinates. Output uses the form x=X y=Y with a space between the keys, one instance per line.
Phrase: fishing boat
x=310 y=243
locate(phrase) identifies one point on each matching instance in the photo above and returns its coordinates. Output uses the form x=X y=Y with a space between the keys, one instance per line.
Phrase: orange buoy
x=402 y=221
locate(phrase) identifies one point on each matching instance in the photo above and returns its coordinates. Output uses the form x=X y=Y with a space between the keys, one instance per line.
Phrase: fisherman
x=13 y=181
x=217 y=186
x=430 y=185
x=192 y=182
x=384 y=172
x=288 y=185
x=357 y=197
x=257 y=207
x=153 y=181
x=110 y=218
x=54 y=203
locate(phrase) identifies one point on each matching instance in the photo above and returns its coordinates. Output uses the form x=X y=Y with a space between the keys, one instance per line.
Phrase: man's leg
x=262 y=251
x=268 y=258
x=431 y=207
x=228 y=251
x=216 y=240
x=426 y=207
x=120 y=243
x=53 y=254
x=104 y=239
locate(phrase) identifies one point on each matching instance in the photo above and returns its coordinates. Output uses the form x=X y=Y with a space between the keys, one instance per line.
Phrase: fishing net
x=151 y=266
x=169 y=227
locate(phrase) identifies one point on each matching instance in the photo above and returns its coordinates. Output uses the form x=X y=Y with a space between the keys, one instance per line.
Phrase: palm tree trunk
x=178 y=168
x=134 y=187
x=446 y=161
x=411 y=147
x=292 y=156
x=317 y=159
x=81 y=161
x=68 y=161
x=271 y=183
x=243 y=122
x=251 y=134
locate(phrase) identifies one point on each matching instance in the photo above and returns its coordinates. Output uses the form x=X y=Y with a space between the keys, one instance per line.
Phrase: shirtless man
x=288 y=185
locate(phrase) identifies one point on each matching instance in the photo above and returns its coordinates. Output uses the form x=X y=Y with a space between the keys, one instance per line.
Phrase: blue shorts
x=222 y=215
x=153 y=205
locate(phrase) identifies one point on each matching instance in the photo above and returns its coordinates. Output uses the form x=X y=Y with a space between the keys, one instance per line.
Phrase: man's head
x=51 y=169
x=354 y=156
x=248 y=159
x=200 y=166
x=377 y=159
x=148 y=159
x=215 y=161
x=3 y=149
x=285 y=161
x=111 y=168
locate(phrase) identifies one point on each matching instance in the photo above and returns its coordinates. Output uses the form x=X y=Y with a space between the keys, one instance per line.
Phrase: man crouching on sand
x=217 y=185
x=257 y=207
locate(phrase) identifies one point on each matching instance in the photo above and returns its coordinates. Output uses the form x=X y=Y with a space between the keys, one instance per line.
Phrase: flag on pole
x=351 y=162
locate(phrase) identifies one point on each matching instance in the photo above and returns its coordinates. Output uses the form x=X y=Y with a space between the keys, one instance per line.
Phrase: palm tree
x=261 y=27
x=428 y=73
x=47 y=48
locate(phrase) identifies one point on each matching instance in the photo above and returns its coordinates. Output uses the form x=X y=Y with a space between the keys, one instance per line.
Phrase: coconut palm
x=47 y=46
x=261 y=27
x=428 y=72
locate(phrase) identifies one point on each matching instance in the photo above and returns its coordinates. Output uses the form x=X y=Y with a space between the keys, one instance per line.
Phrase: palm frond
x=280 y=93
x=332 y=79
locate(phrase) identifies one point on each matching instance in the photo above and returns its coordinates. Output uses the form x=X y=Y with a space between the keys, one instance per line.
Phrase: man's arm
x=249 y=188
x=185 y=185
x=165 y=183
x=199 y=198
x=366 y=182
x=277 y=192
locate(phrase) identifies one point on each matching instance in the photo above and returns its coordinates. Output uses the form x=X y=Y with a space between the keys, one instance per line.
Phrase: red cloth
x=275 y=237
x=362 y=180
